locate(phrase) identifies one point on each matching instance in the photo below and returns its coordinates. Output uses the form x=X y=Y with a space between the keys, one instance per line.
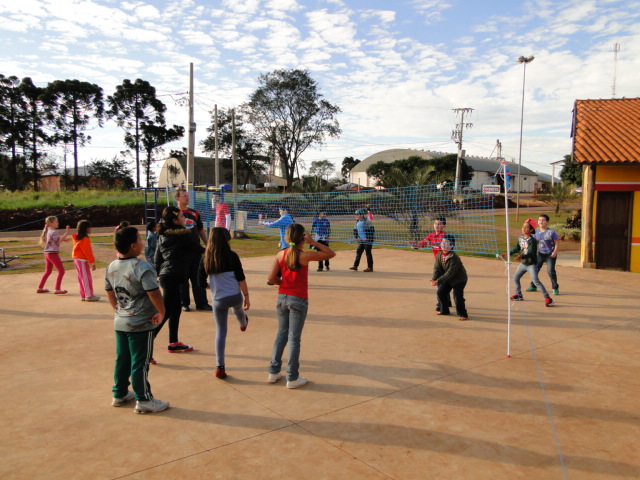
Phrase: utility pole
x=456 y=136
x=192 y=136
x=235 y=170
x=217 y=160
x=616 y=49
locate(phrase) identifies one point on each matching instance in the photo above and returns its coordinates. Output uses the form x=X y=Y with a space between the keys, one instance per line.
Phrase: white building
x=482 y=168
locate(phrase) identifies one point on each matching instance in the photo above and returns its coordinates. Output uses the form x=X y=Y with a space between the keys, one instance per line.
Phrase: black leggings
x=172 y=306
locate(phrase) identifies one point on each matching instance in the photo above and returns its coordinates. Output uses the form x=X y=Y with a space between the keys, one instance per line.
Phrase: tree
x=71 y=105
x=250 y=158
x=322 y=169
x=130 y=106
x=12 y=129
x=111 y=172
x=443 y=168
x=571 y=172
x=288 y=111
x=34 y=123
x=347 y=165
x=153 y=136
x=560 y=194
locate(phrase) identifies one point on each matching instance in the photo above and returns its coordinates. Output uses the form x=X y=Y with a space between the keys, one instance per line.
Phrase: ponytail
x=294 y=236
x=47 y=222
x=169 y=217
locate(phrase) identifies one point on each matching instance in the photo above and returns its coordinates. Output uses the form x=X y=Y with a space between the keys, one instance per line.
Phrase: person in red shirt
x=290 y=271
x=223 y=212
x=434 y=239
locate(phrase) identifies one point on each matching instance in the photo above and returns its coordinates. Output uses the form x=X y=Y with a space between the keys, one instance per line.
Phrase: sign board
x=491 y=189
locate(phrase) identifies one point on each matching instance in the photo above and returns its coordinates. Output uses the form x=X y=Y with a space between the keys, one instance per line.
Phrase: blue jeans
x=292 y=312
x=221 y=314
x=533 y=271
x=551 y=268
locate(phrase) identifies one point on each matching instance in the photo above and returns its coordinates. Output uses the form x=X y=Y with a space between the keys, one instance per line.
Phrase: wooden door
x=613 y=230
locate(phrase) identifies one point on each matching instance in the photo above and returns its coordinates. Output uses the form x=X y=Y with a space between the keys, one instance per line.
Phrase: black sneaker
x=327 y=268
x=186 y=309
x=205 y=308
x=179 y=347
x=319 y=270
x=517 y=298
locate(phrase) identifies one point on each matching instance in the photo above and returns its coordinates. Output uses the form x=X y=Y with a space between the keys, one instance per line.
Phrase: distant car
x=578 y=190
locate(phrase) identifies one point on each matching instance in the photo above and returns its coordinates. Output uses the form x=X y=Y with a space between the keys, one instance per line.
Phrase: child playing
x=321 y=228
x=132 y=291
x=227 y=280
x=449 y=274
x=291 y=272
x=176 y=246
x=152 y=241
x=51 y=241
x=84 y=261
x=526 y=249
x=364 y=234
x=547 y=252
x=282 y=223
x=433 y=241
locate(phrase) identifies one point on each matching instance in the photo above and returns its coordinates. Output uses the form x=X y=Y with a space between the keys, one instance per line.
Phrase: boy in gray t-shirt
x=133 y=292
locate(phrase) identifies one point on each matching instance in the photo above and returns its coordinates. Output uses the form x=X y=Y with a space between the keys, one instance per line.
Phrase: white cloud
x=19 y=23
x=241 y=6
x=333 y=28
x=431 y=10
x=147 y=12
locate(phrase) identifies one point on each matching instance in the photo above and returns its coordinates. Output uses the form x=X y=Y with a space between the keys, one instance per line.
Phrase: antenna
x=616 y=49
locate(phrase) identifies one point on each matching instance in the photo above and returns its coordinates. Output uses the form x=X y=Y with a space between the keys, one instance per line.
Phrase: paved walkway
x=395 y=391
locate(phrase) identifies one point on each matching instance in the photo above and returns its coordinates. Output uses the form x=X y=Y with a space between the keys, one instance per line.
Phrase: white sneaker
x=274 y=377
x=299 y=382
x=151 y=406
x=118 y=402
x=93 y=298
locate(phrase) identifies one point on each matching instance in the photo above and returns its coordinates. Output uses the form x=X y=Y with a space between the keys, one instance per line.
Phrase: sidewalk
x=395 y=392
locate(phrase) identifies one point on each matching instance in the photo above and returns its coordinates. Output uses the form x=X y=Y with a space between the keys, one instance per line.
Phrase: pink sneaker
x=42 y=290
x=60 y=292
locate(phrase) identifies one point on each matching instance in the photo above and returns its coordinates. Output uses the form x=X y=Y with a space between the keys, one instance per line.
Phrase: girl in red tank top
x=291 y=272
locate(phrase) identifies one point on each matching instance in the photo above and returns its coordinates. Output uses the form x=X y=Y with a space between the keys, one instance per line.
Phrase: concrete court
x=395 y=391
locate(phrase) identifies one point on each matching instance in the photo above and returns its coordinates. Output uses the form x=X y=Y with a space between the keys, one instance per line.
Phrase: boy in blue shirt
x=321 y=228
x=364 y=233
x=133 y=292
x=547 y=252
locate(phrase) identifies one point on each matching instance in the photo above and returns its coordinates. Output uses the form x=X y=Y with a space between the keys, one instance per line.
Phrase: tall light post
x=524 y=61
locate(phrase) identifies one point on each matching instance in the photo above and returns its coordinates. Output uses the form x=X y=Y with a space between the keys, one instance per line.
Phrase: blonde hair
x=294 y=236
x=47 y=223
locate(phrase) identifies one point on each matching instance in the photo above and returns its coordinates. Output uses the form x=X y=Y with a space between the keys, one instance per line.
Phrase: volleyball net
x=401 y=217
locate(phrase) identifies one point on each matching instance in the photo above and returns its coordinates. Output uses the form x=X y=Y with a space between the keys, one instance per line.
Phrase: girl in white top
x=50 y=239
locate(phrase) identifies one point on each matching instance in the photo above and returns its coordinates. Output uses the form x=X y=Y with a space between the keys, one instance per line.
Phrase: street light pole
x=524 y=61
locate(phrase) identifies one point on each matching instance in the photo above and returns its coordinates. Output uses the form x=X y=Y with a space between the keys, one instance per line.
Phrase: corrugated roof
x=607 y=131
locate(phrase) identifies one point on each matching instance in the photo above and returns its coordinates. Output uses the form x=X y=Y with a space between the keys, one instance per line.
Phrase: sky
x=397 y=69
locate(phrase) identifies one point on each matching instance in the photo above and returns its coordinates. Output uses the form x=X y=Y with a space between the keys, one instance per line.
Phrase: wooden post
x=588 y=196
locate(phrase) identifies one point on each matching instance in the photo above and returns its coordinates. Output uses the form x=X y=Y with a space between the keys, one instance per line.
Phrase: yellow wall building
x=607 y=144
